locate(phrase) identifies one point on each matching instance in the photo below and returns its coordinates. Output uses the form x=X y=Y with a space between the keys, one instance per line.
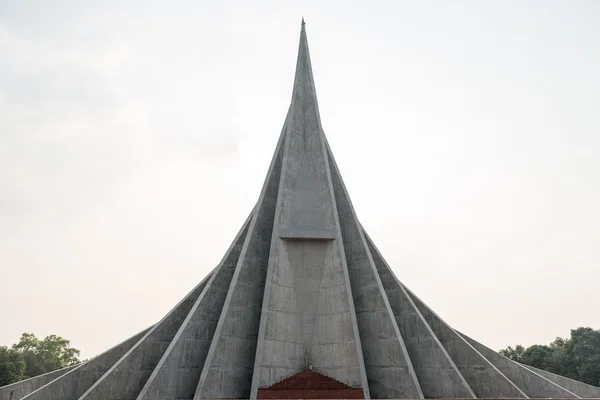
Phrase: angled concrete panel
x=581 y=389
x=437 y=374
x=176 y=374
x=389 y=369
x=343 y=294
x=74 y=383
x=533 y=384
x=19 y=389
x=125 y=379
x=482 y=376
x=306 y=319
x=227 y=371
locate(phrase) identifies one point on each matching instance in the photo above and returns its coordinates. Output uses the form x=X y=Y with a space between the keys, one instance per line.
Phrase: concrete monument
x=302 y=305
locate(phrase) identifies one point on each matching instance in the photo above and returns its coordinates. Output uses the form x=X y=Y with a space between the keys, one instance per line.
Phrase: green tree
x=577 y=357
x=12 y=366
x=42 y=356
x=515 y=354
x=538 y=356
x=583 y=353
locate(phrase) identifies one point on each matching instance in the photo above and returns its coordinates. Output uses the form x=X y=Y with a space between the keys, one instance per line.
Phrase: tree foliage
x=12 y=366
x=31 y=357
x=577 y=357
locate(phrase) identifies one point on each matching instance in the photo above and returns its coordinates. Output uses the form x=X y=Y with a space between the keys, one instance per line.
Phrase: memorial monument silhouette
x=302 y=305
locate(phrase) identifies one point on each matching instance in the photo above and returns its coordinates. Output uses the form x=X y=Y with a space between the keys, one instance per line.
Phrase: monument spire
x=302 y=305
x=304 y=95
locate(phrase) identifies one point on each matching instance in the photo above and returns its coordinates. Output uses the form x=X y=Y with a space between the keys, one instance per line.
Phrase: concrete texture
x=74 y=383
x=481 y=375
x=21 y=388
x=306 y=317
x=438 y=375
x=227 y=371
x=389 y=369
x=533 y=384
x=302 y=304
x=579 y=388
x=177 y=373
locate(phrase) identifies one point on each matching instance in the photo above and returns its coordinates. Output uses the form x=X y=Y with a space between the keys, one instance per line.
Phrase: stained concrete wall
x=307 y=318
x=26 y=386
x=437 y=374
x=227 y=372
x=388 y=366
x=533 y=384
x=579 y=388
x=73 y=384
x=177 y=373
x=481 y=375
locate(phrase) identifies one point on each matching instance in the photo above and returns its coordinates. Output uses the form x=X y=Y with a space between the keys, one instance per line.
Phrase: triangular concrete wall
x=307 y=318
x=301 y=288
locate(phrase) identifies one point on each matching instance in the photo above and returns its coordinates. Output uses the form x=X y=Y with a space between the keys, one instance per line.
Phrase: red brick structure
x=308 y=384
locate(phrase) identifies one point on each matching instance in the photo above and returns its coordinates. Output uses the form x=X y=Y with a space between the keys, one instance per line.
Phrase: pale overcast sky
x=135 y=137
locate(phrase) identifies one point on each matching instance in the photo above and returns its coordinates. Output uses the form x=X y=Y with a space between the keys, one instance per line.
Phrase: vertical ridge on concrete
x=74 y=383
x=306 y=317
x=581 y=389
x=438 y=375
x=176 y=374
x=389 y=369
x=341 y=254
x=533 y=384
x=21 y=388
x=227 y=371
x=125 y=379
x=482 y=376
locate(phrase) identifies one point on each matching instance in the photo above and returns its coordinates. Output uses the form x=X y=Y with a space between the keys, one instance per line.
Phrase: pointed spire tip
x=303 y=21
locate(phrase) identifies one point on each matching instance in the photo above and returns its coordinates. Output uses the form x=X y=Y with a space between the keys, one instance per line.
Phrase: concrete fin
x=227 y=371
x=482 y=376
x=305 y=198
x=304 y=94
x=74 y=383
x=22 y=388
x=533 y=384
x=127 y=376
x=306 y=318
x=581 y=389
x=176 y=374
x=437 y=374
x=388 y=366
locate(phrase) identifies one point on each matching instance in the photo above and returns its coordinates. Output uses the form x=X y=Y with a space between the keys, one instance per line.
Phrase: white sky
x=135 y=137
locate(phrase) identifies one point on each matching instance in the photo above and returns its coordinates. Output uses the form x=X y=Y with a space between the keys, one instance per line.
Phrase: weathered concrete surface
x=26 y=386
x=177 y=373
x=306 y=316
x=74 y=383
x=481 y=375
x=389 y=369
x=126 y=377
x=437 y=374
x=302 y=286
x=533 y=384
x=579 y=388
x=227 y=371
